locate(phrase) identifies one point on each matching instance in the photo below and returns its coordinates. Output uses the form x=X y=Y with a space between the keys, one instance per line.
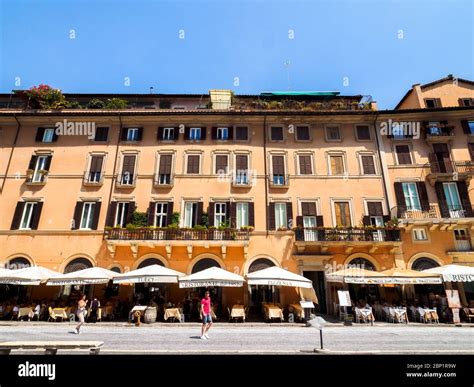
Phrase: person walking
x=206 y=316
x=95 y=305
x=81 y=313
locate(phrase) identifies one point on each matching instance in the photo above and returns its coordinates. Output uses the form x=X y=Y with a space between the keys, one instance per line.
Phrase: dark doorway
x=262 y=293
x=319 y=285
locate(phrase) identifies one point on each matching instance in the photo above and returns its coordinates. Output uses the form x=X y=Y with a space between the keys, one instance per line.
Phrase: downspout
x=11 y=153
x=265 y=171
x=112 y=183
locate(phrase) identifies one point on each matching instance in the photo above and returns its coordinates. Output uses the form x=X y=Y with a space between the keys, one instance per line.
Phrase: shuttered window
x=276 y=133
x=241 y=133
x=278 y=165
x=308 y=208
x=337 y=165
x=193 y=164
x=165 y=164
x=363 y=132
x=222 y=164
x=302 y=133
x=343 y=214
x=375 y=208
x=368 y=165
x=305 y=165
x=403 y=154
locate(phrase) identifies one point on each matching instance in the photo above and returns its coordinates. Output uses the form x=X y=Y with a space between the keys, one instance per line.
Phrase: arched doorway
x=18 y=263
x=74 y=292
x=204 y=264
x=358 y=292
x=149 y=262
x=426 y=293
x=262 y=293
x=77 y=264
x=150 y=293
x=17 y=292
x=361 y=263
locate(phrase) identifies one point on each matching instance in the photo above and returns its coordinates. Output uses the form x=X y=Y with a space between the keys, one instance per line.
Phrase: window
x=433 y=103
x=453 y=200
x=276 y=133
x=222 y=133
x=164 y=170
x=306 y=167
x=412 y=199
x=363 y=132
x=168 y=134
x=466 y=101
x=419 y=234
x=336 y=165
x=241 y=170
x=101 y=134
x=468 y=127
x=87 y=216
x=193 y=164
x=368 y=164
x=27 y=216
x=121 y=214
x=302 y=133
x=242 y=212
x=128 y=170
x=222 y=164
x=195 y=133
x=471 y=150
x=403 y=154
x=48 y=135
x=95 y=169
x=161 y=214
x=220 y=214
x=241 y=133
x=333 y=133
x=133 y=134
x=40 y=166
x=191 y=214
x=280 y=215
x=278 y=168
x=342 y=214
x=308 y=212
x=398 y=131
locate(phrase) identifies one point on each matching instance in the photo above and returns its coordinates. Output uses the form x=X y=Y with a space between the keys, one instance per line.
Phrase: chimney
x=221 y=99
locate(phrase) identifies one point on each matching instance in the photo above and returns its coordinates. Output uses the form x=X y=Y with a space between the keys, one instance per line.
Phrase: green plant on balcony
x=73 y=105
x=96 y=103
x=204 y=219
x=247 y=228
x=199 y=227
x=45 y=97
x=139 y=219
x=131 y=227
x=174 y=219
x=393 y=223
x=116 y=103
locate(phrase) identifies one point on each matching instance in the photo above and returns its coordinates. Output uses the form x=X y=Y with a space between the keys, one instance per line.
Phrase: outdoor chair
x=52 y=315
x=469 y=314
x=421 y=312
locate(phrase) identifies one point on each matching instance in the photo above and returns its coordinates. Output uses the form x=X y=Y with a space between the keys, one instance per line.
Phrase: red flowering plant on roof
x=45 y=97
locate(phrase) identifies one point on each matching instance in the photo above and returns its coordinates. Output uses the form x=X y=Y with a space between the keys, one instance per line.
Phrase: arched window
x=260 y=264
x=149 y=262
x=116 y=269
x=203 y=264
x=18 y=263
x=362 y=263
x=77 y=264
x=424 y=263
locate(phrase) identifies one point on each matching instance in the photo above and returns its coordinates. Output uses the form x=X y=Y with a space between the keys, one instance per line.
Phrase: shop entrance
x=319 y=285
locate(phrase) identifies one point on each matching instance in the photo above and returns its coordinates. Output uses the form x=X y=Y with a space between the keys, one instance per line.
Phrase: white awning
x=152 y=273
x=394 y=276
x=33 y=275
x=453 y=273
x=355 y=275
x=91 y=276
x=275 y=276
x=214 y=276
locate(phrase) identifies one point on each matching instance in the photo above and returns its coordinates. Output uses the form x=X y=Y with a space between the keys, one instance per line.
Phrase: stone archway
x=18 y=263
x=149 y=262
x=424 y=263
x=260 y=264
x=78 y=264
x=362 y=263
x=204 y=263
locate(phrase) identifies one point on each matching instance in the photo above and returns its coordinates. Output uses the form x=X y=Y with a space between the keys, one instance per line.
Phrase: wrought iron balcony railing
x=177 y=234
x=350 y=234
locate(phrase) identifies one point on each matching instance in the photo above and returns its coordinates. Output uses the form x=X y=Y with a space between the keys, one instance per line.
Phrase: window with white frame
x=195 y=133
x=27 y=216
x=190 y=214
x=242 y=214
x=412 y=198
x=280 y=215
x=48 y=135
x=220 y=214
x=368 y=164
x=168 y=134
x=419 y=234
x=161 y=214
x=222 y=133
x=132 y=134
x=87 y=215
x=333 y=133
x=40 y=166
x=121 y=214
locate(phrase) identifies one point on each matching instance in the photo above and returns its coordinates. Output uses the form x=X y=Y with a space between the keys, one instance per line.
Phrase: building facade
x=305 y=181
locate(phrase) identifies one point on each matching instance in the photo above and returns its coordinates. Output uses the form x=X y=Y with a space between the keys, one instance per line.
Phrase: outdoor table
x=172 y=313
x=238 y=311
x=60 y=312
x=431 y=314
x=273 y=312
x=400 y=314
x=26 y=312
x=297 y=309
x=367 y=313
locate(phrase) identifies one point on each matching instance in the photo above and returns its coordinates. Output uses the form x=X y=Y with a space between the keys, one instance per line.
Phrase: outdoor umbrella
x=453 y=273
x=152 y=273
x=275 y=276
x=32 y=275
x=91 y=276
x=214 y=276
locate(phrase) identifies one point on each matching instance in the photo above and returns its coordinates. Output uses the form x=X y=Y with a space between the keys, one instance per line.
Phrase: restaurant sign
x=209 y=283
x=278 y=282
x=393 y=280
x=458 y=277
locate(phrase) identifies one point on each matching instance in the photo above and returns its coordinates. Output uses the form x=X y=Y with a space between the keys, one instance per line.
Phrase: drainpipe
x=112 y=182
x=265 y=171
x=11 y=153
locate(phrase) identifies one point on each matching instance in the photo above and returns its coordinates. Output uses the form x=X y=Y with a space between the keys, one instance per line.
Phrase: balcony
x=163 y=180
x=279 y=181
x=439 y=133
x=93 y=178
x=126 y=180
x=448 y=170
x=36 y=177
x=436 y=213
x=351 y=234
x=242 y=179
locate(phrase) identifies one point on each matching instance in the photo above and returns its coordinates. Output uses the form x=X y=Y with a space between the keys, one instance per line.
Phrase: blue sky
x=140 y=40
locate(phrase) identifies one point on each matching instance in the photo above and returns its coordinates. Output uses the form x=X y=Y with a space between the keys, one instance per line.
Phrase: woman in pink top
x=206 y=316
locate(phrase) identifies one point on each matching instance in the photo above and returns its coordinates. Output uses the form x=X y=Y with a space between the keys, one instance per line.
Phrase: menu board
x=344 y=298
x=453 y=298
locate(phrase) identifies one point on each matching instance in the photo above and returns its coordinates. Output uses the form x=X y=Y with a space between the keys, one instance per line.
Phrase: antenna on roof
x=287 y=66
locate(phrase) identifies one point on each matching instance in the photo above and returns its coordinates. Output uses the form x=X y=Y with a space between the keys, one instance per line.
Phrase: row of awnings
x=398 y=276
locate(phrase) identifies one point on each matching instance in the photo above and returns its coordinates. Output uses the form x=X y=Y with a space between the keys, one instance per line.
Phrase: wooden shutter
x=241 y=133
x=337 y=165
x=221 y=163
x=210 y=214
x=199 y=213
x=39 y=134
x=131 y=210
x=160 y=133
x=278 y=165
x=203 y=133
x=366 y=220
x=140 y=134
x=151 y=214
x=233 y=214
x=123 y=134
x=55 y=135
x=111 y=214
x=471 y=150
x=47 y=163
x=319 y=221
x=193 y=164
x=271 y=216
x=228 y=212
x=308 y=208
x=36 y=215
x=128 y=164
x=95 y=219
x=443 y=204
x=403 y=154
x=465 y=126
x=32 y=164
x=165 y=164
x=77 y=215
x=305 y=165
x=460 y=101
x=289 y=215
x=17 y=216
x=96 y=164
x=231 y=132
x=241 y=162
x=214 y=133
x=176 y=133
x=400 y=197
x=374 y=209
x=423 y=194
x=187 y=130
x=434 y=164
x=368 y=166
x=101 y=133
x=438 y=102
x=251 y=214
x=464 y=195
x=343 y=215
x=299 y=221
x=169 y=214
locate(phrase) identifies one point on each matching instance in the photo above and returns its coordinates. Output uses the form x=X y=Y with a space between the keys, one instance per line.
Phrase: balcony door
x=375 y=211
x=308 y=210
x=442 y=158
x=453 y=200
x=462 y=241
